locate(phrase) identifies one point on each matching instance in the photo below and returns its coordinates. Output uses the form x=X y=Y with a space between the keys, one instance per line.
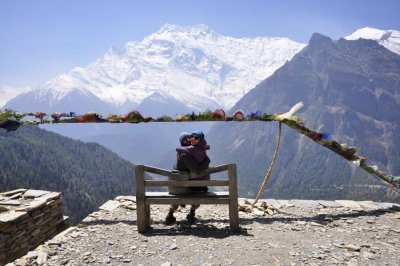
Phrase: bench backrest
x=182 y=179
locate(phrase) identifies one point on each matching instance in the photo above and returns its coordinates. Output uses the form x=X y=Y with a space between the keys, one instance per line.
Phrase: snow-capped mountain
x=8 y=92
x=192 y=65
x=390 y=39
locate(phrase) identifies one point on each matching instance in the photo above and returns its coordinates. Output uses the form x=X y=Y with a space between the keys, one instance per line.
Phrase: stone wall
x=27 y=219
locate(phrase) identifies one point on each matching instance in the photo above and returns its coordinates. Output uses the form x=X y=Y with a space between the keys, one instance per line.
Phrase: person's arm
x=187 y=161
x=185 y=149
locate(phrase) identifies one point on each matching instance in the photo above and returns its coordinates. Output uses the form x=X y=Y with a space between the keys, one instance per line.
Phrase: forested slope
x=87 y=174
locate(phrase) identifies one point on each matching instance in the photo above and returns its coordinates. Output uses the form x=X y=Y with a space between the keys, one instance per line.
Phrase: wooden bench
x=181 y=179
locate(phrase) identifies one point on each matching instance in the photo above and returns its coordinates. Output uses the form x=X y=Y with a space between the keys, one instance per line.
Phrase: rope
x=269 y=172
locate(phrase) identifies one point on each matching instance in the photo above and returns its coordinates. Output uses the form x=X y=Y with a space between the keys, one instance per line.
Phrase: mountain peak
x=160 y=96
x=369 y=33
x=169 y=28
x=318 y=39
x=390 y=39
x=172 y=28
x=113 y=50
x=174 y=32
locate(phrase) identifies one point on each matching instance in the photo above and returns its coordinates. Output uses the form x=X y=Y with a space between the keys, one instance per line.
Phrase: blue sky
x=40 y=39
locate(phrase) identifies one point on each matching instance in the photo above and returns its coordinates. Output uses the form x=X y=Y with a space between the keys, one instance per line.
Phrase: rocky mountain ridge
x=350 y=91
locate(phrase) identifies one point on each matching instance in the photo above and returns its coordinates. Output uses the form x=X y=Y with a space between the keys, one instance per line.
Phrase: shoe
x=170 y=219
x=190 y=217
x=199 y=189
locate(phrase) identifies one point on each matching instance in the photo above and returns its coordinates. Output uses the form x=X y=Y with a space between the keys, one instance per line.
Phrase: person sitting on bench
x=191 y=157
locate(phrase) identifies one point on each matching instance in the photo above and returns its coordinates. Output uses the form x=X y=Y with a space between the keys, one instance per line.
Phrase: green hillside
x=87 y=174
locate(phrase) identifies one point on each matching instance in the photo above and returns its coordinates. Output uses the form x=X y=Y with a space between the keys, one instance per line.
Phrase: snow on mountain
x=390 y=39
x=8 y=92
x=165 y=103
x=193 y=65
x=72 y=100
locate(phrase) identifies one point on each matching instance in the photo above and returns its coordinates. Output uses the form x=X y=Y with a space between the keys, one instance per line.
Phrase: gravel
x=290 y=235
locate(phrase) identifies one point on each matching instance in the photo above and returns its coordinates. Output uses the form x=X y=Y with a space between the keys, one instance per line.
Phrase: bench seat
x=197 y=198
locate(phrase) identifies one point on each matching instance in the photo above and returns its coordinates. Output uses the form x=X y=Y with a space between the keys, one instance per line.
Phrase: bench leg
x=140 y=202
x=141 y=218
x=147 y=216
x=234 y=216
x=233 y=198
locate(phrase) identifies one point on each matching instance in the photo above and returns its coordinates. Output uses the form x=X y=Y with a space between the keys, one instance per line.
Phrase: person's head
x=184 y=138
x=196 y=136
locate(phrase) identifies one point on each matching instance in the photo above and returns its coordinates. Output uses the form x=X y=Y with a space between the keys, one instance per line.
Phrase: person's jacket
x=198 y=151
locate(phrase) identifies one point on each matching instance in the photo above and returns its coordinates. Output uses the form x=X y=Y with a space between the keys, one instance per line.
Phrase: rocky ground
x=274 y=233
